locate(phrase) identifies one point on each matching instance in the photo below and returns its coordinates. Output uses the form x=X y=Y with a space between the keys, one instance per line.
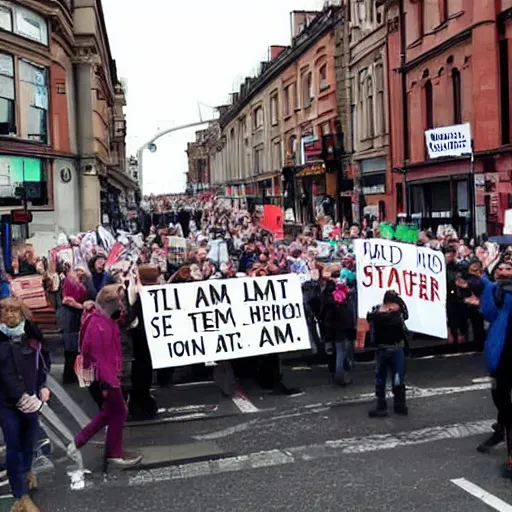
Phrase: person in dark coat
x=389 y=334
x=141 y=405
x=338 y=319
x=24 y=365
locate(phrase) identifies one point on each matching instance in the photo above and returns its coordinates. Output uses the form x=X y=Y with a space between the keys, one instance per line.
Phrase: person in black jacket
x=389 y=334
x=24 y=365
x=338 y=320
x=141 y=405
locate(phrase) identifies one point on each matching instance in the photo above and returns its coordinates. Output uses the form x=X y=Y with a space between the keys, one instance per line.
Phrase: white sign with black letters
x=217 y=320
x=449 y=141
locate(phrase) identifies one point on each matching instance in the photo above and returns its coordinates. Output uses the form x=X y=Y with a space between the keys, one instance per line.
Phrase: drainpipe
x=405 y=110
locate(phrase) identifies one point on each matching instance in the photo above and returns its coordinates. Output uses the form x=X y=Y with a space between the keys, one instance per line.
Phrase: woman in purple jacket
x=101 y=352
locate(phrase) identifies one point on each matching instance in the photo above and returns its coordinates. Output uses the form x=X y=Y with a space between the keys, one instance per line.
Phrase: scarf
x=13 y=332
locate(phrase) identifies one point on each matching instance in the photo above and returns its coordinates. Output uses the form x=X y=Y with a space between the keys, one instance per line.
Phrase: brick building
x=279 y=135
x=199 y=154
x=454 y=70
x=62 y=126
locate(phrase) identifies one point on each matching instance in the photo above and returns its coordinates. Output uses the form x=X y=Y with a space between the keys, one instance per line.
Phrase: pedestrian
x=338 y=319
x=496 y=307
x=142 y=405
x=389 y=334
x=24 y=366
x=101 y=352
x=76 y=294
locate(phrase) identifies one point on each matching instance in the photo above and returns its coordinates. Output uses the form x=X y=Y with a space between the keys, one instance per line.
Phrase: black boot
x=497 y=437
x=507 y=469
x=399 y=405
x=381 y=409
x=69 y=375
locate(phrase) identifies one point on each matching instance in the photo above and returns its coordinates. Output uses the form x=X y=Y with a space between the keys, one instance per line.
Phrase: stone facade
x=199 y=155
x=368 y=133
x=63 y=125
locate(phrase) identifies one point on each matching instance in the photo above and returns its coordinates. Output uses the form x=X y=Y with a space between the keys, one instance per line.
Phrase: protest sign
x=418 y=274
x=217 y=320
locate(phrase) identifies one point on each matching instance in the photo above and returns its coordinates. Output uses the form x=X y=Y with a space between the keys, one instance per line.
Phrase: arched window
x=429 y=105
x=457 y=97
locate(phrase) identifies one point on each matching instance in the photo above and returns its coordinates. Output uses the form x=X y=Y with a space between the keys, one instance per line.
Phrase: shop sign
x=449 y=141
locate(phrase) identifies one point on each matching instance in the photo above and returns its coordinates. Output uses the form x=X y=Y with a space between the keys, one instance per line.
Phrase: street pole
x=140 y=151
x=473 y=190
x=25 y=201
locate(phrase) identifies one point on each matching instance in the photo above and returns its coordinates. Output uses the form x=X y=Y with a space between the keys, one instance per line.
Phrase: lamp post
x=151 y=146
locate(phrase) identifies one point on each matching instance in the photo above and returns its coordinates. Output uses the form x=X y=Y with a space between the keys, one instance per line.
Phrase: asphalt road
x=316 y=451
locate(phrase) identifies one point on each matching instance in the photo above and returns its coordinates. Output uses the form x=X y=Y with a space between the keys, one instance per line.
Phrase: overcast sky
x=176 y=54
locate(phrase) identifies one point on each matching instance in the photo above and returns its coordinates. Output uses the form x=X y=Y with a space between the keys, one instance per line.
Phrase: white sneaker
x=128 y=461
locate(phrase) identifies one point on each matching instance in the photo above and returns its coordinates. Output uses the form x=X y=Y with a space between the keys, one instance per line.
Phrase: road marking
x=194 y=384
x=243 y=403
x=74 y=409
x=482 y=380
x=329 y=449
x=188 y=409
x=484 y=496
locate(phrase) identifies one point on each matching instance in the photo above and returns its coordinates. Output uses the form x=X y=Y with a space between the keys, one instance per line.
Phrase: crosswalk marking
x=243 y=403
x=482 y=495
x=353 y=445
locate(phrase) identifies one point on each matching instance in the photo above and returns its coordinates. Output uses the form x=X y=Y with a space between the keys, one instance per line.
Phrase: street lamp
x=152 y=148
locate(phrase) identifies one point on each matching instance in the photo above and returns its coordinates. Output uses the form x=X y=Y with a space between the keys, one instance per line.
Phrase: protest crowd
x=94 y=282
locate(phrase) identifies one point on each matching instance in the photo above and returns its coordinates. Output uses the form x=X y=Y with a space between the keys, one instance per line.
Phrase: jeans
x=20 y=432
x=113 y=413
x=392 y=362
x=341 y=362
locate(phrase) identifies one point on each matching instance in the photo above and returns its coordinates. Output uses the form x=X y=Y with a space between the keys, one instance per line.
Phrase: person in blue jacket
x=496 y=307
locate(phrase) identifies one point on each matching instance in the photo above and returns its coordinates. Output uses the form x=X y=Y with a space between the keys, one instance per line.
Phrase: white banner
x=217 y=320
x=449 y=141
x=418 y=274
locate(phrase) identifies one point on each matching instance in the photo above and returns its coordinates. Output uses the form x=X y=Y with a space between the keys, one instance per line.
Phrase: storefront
x=311 y=188
x=440 y=201
x=372 y=174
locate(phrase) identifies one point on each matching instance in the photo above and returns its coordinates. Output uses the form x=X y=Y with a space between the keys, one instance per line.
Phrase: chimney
x=275 y=51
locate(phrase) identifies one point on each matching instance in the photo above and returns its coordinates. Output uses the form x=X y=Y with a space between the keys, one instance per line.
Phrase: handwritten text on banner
x=224 y=319
x=418 y=274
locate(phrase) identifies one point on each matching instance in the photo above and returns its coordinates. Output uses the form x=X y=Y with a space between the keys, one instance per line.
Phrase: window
x=292 y=148
x=7 y=106
x=326 y=129
x=286 y=104
x=276 y=155
x=323 y=78
x=399 y=197
x=258 y=118
x=370 y=116
x=421 y=18
x=20 y=175
x=380 y=104
x=31 y=25
x=307 y=90
x=33 y=102
x=258 y=160
x=429 y=105
x=295 y=97
x=443 y=10
x=5 y=18
x=457 y=98
x=274 y=109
